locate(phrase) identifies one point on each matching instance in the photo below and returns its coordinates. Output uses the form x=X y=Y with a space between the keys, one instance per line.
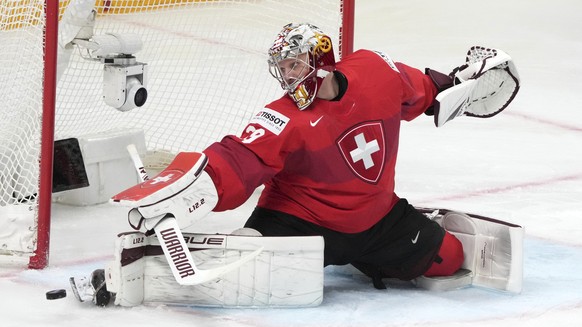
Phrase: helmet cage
x=304 y=60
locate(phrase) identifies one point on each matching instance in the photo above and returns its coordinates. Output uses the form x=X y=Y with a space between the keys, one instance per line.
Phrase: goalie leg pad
x=124 y=276
x=493 y=251
x=287 y=273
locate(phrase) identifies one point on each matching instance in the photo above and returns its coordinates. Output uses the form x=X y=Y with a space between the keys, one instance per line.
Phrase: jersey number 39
x=252 y=134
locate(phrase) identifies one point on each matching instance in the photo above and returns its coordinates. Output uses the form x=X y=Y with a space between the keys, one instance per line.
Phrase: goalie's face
x=290 y=72
x=297 y=77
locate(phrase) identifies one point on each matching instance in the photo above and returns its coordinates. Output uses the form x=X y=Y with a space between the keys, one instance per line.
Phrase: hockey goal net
x=207 y=75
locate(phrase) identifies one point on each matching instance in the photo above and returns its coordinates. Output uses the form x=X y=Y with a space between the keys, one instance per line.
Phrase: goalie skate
x=91 y=288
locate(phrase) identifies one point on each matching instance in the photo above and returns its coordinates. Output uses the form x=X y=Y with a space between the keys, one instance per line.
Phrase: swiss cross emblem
x=363 y=148
x=148 y=187
x=165 y=177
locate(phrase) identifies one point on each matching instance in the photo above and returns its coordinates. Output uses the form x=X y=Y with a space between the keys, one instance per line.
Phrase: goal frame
x=40 y=257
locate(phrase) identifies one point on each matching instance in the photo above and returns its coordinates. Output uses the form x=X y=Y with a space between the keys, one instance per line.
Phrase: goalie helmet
x=296 y=56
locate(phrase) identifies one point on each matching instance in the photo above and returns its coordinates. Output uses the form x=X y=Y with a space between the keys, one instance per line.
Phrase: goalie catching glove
x=183 y=190
x=482 y=87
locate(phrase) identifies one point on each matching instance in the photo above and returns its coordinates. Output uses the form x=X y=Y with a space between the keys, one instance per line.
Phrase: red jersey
x=333 y=163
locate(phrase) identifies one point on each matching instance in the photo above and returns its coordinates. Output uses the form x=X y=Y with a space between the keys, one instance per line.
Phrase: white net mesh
x=206 y=65
x=21 y=77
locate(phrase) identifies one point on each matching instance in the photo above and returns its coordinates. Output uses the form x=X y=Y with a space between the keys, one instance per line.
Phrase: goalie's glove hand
x=183 y=190
x=482 y=87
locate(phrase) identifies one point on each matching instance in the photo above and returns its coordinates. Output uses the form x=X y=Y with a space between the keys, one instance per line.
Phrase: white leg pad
x=493 y=251
x=124 y=276
x=287 y=273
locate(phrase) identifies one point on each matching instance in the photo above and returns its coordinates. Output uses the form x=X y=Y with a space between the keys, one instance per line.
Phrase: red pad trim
x=180 y=166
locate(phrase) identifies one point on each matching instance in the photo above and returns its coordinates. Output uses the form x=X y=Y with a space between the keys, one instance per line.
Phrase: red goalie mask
x=298 y=53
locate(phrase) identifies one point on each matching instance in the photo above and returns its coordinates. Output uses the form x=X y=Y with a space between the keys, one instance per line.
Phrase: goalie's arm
x=237 y=170
x=417 y=91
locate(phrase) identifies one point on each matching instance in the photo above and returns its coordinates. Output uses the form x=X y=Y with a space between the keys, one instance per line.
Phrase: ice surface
x=523 y=166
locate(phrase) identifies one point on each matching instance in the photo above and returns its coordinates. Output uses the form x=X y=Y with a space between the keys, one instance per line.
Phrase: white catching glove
x=183 y=190
x=482 y=87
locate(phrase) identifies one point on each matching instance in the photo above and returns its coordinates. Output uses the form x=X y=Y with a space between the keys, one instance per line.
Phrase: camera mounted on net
x=124 y=79
x=124 y=82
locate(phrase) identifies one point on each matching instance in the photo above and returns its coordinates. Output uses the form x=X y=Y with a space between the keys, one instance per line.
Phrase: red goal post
x=28 y=50
x=207 y=75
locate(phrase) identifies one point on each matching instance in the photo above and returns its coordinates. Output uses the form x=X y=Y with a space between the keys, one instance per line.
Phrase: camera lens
x=140 y=97
x=136 y=94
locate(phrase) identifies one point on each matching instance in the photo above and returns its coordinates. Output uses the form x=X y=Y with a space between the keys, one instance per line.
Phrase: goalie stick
x=175 y=248
x=138 y=164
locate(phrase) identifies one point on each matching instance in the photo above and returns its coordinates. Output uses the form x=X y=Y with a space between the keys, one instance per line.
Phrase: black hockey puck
x=56 y=294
